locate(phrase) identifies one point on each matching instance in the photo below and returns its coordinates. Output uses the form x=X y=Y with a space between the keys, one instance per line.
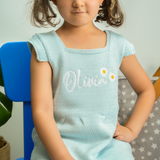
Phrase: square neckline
x=85 y=51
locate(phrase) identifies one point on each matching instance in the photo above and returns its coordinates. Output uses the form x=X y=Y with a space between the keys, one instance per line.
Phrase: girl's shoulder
x=43 y=34
x=125 y=45
x=116 y=35
x=40 y=41
x=42 y=38
x=119 y=38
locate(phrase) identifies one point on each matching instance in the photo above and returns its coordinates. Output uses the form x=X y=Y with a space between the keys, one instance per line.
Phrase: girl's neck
x=89 y=29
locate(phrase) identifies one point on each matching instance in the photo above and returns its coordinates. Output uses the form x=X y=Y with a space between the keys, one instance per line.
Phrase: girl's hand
x=123 y=133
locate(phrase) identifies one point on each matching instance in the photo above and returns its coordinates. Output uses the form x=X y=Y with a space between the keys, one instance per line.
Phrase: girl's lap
x=117 y=149
x=114 y=150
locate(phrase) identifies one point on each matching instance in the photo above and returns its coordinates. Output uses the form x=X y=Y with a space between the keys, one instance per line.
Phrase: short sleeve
x=39 y=47
x=129 y=49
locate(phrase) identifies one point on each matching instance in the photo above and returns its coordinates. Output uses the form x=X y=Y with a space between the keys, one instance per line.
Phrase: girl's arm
x=42 y=110
x=144 y=88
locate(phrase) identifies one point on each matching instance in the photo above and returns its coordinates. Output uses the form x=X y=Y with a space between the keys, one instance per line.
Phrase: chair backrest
x=15 y=64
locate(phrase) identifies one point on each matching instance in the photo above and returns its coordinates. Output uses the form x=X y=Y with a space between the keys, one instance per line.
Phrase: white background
x=141 y=27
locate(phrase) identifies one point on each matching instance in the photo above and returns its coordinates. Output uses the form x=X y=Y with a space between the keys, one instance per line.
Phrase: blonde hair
x=42 y=13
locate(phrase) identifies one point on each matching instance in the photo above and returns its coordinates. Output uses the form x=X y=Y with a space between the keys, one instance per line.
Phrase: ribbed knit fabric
x=85 y=96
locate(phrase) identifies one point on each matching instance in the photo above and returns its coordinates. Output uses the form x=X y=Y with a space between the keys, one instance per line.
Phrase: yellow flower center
x=112 y=76
x=104 y=71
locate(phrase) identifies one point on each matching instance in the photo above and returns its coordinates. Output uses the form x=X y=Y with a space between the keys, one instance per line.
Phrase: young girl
x=74 y=83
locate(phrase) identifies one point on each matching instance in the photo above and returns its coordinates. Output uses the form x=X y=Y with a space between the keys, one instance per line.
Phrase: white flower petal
x=112 y=77
x=103 y=71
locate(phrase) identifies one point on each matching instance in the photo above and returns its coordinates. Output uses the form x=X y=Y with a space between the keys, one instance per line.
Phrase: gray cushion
x=147 y=145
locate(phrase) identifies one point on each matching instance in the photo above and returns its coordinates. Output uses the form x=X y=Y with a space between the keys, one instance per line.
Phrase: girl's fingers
x=116 y=131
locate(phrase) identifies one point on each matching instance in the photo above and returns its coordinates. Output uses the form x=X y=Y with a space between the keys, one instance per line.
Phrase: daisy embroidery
x=104 y=71
x=112 y=76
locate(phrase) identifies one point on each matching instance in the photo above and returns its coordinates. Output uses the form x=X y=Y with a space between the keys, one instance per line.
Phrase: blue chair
x=15 y=63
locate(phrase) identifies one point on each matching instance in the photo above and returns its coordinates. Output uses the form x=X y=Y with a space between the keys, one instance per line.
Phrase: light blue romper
x=85 y=96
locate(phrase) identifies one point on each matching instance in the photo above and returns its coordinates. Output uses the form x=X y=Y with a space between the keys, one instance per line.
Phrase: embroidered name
x=71 y=79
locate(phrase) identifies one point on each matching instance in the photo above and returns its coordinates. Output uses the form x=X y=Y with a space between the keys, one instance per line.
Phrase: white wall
x=142 y=28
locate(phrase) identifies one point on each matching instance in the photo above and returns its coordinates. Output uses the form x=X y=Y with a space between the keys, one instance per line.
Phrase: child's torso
x=85 y=90
x=83 y=79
